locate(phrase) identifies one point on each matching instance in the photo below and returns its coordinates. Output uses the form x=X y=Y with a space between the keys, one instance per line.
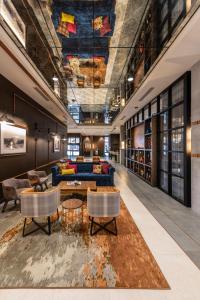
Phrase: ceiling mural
x=84 y=29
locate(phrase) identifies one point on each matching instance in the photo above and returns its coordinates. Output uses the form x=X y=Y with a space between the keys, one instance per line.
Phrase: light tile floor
x=181 y=273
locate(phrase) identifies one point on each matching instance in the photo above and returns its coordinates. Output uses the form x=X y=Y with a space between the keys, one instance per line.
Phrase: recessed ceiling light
x=130 y=78
x=55 y=78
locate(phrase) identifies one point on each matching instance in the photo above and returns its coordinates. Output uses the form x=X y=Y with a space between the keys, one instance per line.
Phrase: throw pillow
x=71 y=27
x=105 y=27
x=97 y=23
x=105 y=168
x=97 y=169
x=70 y=166
x=67 y=18
x=68 y=171
x=62 y=29
x=62 y=166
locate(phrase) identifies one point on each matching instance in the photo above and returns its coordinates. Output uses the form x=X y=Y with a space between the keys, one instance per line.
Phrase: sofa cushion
x=97 y=169
x=105 y=168
x=68 y=171
x=67 y=18
x=62 y=166
x=84 y=167
x=72 y=166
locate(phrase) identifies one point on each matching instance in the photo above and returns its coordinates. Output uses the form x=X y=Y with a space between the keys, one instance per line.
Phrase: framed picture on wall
x=56 y=143
x=12 y=139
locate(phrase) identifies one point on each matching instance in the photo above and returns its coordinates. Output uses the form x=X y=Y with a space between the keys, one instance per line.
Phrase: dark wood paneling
x=96 y=142
x=26 y=112
x=114 y=142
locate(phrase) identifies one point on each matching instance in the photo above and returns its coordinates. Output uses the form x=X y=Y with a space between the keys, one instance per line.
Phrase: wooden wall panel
x=24 y=111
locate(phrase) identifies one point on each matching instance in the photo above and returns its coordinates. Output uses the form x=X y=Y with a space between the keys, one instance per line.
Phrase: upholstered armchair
x=12 y=189
x=38 y=178
x=39 y=204
x=103 y=205
x=79 y=159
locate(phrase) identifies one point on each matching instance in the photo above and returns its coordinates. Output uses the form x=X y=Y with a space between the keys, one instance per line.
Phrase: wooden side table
x=72 y=212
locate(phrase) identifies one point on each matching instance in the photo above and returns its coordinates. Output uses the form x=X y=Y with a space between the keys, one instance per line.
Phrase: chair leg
x=58 y=214
x=103 y=227
x=4 y=206
x=42 y=189
x=49 y=225
x=115 y=221
x=23 y=234
x=39 y=227
x=91 y=225
x=46 y=185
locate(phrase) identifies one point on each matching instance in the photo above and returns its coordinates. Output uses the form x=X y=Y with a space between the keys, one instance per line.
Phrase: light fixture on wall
x=123 y=102
x=4 y=119
x=188 y=141
x=64 y=139
x=122 y=145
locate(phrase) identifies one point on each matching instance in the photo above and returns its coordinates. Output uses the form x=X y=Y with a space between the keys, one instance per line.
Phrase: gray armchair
x=103 y=205
x=12 y=189
x=38 y=178
x=39 y=204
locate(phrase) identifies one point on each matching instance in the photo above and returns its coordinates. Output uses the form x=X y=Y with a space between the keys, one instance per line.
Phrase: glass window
x=164 y=181
x=178 y=163
x=135 y=119
x=164 y=101
x=177 y=10
x=177 y=140
x=178 y=187
x=164 y=141
x=164 y=31
x=178 y=92
x=146 y=112
x=72 y=147
x=107 y=146
x=177 y=116
x=164 y=121
x=164 y=160
x=164 y=11
x=154 y=107
x=140 y=116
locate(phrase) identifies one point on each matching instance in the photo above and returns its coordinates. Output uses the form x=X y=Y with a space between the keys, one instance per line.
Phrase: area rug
x=77 y=260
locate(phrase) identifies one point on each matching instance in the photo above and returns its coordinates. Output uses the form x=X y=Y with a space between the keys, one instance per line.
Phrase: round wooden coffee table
x=72 y=214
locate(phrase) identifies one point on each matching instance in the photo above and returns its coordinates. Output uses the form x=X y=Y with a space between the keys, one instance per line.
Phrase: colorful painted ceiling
x=84 y=29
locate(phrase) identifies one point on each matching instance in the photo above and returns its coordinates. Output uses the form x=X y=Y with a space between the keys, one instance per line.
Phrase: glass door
x=172 y=132
x=73 y=147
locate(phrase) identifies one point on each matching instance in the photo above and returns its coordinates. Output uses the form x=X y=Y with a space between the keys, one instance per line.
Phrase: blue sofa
x=84 y=173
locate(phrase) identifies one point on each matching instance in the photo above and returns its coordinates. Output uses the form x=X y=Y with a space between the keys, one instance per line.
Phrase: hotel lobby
x=99 y=149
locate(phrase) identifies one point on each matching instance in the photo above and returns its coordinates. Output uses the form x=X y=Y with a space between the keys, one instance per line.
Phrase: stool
x=72 y=214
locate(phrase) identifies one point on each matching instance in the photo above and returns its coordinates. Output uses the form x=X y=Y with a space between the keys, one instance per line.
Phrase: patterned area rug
x=76 y=260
